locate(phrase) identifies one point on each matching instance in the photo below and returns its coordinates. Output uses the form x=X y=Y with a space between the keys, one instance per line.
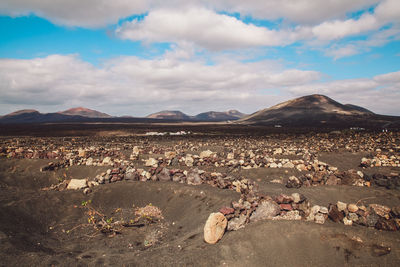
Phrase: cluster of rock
x=372 y=215
x=390 y=181
x=329 y=177
x=381 y=160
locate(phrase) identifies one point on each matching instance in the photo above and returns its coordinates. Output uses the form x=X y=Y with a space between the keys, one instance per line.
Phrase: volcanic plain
x=140 y=195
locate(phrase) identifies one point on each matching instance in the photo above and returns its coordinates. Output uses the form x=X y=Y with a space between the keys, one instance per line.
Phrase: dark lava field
x=198 y=195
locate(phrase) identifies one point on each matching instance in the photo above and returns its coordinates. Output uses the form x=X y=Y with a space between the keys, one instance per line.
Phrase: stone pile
x=372 y=215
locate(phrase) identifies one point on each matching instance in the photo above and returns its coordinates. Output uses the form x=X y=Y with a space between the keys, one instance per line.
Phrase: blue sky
x=135 y=59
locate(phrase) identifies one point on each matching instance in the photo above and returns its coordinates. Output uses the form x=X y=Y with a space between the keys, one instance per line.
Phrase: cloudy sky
x=128 y=57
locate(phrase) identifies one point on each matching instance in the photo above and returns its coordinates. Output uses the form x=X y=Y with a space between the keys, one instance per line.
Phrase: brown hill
x=316 y=110
x=84 y=112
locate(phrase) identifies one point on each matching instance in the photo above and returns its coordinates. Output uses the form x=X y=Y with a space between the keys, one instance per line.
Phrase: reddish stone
x=335 y=214
x=226 y=210
x=286 y=206
x=284 y=199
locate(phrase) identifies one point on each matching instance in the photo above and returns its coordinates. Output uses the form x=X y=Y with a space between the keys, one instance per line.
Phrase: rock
x=76 y=184
x=323 y=210
x=236 y=223
x=89 y=162
x=136 y=150
x=341 y=206
x=294 y=182
x=352 y=207
x=387 y=225
x=170 y=154
x=352 y=216
x=396 y=211
x=107 y=161
x=319 y=218
x=215 y=227
x=206 y=154
x=87 y=191
x=297 y=198
x=151 y=162
x=284 y=199
x=164 y=175
x=293 y=215
x=286 y=206
x=332 y=180
x=230 y=156
x=267 y=209
x=273 y=165
x=278 y=151
x=288 y=165
x=372 y=219
x=189 y=161
x=347 y=221
x=81 y=153
x=226 y=210
x=193 y=177
x=335 y=214
x=381 y=210
x=301 y=167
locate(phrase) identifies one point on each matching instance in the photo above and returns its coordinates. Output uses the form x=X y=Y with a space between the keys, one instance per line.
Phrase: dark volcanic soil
x=50 y=228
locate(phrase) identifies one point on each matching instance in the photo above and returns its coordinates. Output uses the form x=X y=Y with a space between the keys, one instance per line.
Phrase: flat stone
x=206 y=154
x=341 y=206
x=352 y=207
x=151 y=162
x=215 y=227
x=381 y=210
x=164 y=175
x=267 y=209
x=76 y=184
x=236 y=223
x=319 y=218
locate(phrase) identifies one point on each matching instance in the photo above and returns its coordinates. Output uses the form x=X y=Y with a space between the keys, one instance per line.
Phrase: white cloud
x=203 y=27
x=86 y=13
x=130 y=85
x=97 y=13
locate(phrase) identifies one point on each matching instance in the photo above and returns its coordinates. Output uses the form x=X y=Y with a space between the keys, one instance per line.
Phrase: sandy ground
x=49 y=228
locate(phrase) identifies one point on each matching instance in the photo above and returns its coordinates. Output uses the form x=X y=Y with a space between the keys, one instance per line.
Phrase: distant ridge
x=169 y=115
x=84 y=112
x=220 y=116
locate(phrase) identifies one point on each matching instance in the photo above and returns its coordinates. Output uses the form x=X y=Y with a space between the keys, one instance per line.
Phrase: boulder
x=76 y=184
x=335 y=214
x=164 y=175
x=265 y=210
x=151 y=162
x=206 y=154
x=193 y=177
x=215 y=227
x=236 y=223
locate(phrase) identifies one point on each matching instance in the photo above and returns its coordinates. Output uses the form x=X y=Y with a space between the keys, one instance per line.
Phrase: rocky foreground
x=341 y=187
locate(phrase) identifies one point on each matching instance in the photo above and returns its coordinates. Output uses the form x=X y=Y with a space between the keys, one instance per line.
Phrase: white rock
x=107 y=161
x=206 y=154
x=76 y=184
x=151 y=162
x=215 y=227
x=341 y=206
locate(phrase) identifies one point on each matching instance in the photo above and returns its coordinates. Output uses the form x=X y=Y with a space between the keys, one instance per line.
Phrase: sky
x=127 y=57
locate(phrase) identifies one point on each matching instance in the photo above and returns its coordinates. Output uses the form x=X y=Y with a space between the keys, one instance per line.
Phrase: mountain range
x=205 y=116
x=307 y=111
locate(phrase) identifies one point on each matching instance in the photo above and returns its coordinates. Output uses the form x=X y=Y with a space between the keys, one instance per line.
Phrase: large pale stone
x=206 y=154
x=215 y=227
x=265 y=210
x=76 y=184
x=151 y=162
